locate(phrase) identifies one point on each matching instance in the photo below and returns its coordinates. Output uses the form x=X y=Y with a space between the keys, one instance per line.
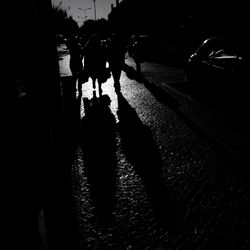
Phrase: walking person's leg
x=93 y=82
x=79 y=86
x=100 y=88
x=116 y=72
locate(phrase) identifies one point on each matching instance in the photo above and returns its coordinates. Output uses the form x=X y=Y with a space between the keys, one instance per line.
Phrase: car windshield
x=217 y=46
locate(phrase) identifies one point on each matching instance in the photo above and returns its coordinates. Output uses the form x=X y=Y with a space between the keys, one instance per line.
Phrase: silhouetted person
x=76 y=56
x=116 y=56
x=134 y=47
x=95 y=61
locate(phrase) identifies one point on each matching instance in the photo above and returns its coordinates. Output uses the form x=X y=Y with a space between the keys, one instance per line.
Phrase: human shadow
x=162 y=96
x=132 y=73
x=98 y=131
x=142 y=152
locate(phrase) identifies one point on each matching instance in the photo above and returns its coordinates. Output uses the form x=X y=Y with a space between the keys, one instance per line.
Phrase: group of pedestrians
x=95 y=53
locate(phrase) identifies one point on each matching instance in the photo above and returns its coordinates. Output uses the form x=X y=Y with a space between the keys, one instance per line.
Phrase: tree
x=100 y=27
x=63 y=23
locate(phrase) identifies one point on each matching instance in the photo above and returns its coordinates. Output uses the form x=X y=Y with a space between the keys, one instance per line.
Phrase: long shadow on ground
x=142 y=152
x=98 y=138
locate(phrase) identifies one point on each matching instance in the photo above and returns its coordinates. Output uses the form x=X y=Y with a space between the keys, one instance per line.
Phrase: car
x=219 y=62
x=143 y=47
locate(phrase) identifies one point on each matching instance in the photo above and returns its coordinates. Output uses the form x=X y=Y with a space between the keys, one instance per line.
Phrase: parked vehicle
x=143 y=47
x=217 y=60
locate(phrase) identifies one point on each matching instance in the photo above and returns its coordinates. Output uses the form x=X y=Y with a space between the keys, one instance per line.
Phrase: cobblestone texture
x=178 y=175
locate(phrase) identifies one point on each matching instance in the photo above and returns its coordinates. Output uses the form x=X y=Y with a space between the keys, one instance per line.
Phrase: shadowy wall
x=33 y=168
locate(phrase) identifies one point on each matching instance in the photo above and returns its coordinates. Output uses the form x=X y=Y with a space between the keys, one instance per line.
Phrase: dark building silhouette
x=37 y=182
x=178 y=20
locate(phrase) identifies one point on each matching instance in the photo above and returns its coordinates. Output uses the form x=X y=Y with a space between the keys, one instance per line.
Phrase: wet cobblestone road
x=155 y=170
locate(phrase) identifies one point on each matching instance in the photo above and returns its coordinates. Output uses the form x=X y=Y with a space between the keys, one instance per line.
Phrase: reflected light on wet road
x=107 y=88
x=87 y=88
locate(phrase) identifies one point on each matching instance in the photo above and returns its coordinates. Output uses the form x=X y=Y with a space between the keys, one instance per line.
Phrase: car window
x=217 y=47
